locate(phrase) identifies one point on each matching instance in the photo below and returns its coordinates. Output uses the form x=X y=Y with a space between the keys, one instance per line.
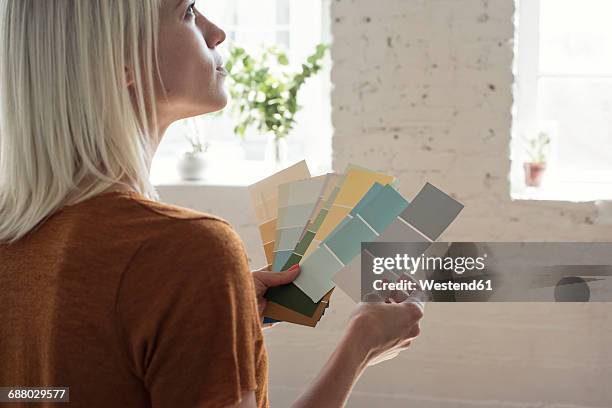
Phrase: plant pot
x=192 y=166
x=534 y=173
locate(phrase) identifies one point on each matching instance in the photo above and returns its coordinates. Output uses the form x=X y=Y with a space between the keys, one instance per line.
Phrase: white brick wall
x=424 y=89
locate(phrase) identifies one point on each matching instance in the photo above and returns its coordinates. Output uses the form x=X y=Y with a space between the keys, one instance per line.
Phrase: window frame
x=584 y=185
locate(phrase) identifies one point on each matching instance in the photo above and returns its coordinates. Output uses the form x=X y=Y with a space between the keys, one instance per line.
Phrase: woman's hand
x=383 y=330
x=263 y=279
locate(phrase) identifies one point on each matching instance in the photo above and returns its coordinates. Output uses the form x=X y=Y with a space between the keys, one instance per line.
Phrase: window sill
x=565 y=191
x=228 y=173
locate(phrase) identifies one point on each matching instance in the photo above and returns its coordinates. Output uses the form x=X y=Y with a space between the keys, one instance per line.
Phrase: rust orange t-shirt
x=131 y=303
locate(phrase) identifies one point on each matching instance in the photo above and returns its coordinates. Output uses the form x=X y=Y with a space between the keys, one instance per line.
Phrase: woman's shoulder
x=182 y=226
x=167 y=250
x=171 y=211
x=181 y=246
x=159 y=228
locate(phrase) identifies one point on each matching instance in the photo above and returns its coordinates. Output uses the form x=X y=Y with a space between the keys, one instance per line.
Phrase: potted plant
x=264 y=94
x=536 y=166
x=193 y=163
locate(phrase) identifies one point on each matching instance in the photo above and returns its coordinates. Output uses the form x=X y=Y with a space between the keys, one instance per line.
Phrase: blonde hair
x=66 y=115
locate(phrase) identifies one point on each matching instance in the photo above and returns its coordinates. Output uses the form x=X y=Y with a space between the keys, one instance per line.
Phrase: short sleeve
x=187 y=312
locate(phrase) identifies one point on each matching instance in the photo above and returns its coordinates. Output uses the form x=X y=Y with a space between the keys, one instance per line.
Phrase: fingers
x=271 y=279
x=414 y=332
x=414 y=308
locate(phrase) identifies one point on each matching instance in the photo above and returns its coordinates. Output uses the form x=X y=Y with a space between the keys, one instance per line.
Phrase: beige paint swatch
x=264 y=196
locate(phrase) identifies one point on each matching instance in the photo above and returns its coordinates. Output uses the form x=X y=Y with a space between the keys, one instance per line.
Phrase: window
x=564 y=87
x=296 y=26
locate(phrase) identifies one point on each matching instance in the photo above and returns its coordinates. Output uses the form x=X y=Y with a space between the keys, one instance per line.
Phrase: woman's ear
x=129 y=76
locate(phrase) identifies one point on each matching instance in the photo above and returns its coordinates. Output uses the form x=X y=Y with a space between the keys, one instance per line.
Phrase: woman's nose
x=212 y=33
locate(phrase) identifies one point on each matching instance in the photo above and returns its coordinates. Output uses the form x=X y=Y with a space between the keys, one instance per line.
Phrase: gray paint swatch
x=431 y=211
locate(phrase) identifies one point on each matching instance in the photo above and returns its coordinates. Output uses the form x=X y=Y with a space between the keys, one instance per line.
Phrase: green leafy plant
x=536 y=147
x=264 y=97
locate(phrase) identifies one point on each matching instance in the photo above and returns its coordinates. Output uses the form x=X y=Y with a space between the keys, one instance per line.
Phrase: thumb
x=271 y=279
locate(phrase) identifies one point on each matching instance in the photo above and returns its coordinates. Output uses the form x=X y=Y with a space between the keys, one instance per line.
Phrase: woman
x=128 y=301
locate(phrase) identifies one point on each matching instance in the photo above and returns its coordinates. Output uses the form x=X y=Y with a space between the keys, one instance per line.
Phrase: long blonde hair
x=66 y=114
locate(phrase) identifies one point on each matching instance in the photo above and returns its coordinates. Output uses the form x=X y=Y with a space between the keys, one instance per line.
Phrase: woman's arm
x=376 y=333
x=332 y=386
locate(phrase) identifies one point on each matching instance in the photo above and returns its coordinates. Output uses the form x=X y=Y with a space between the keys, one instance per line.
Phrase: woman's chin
x=211 y=104
x=220 y=102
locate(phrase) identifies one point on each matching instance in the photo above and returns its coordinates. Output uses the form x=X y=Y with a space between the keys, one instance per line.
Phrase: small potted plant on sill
x=536 y=166
x=192 y=165
x=265 y=96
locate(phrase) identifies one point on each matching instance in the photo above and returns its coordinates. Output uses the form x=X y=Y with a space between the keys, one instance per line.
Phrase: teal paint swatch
x=342 y=243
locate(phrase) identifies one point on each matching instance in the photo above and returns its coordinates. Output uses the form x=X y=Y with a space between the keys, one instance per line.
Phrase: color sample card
x=348 y=279
x=264 y=196
x=432 y=211
x=339 y=249
x=297 y=201
x=284 y=314
x=402 y=230
x=327 y=199
x=355 y=184
x=331 y=181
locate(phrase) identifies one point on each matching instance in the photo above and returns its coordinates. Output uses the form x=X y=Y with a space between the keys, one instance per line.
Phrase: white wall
x=422 y=89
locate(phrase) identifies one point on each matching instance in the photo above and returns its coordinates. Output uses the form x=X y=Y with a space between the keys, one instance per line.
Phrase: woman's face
x=190 y=66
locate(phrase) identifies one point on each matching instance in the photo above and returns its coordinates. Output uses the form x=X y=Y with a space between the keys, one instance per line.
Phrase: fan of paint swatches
x=296 y=203
x=427 y=216
x=289 y=298
x=320 y=224
x=264 y=196
x=351 y=188
x=344 y=243
x=277 y=312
